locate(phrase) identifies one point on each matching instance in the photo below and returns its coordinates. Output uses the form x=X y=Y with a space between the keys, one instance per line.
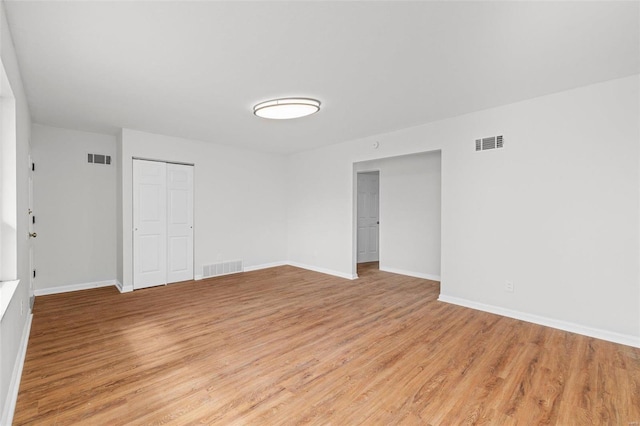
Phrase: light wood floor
x=288 y=346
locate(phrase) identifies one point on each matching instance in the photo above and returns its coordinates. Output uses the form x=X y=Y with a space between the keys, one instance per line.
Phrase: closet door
x=149 y=223
x=180 y=222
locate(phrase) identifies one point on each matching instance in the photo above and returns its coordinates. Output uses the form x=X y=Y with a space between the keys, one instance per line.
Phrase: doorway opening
x=408 y=210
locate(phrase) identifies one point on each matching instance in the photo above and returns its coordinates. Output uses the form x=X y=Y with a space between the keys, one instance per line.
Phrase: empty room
x=319 y=212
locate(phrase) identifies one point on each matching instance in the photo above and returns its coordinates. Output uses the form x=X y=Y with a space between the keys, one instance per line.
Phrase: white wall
x=15 y=319
x=409 y=213
x=118 y=210
x=8 y=186
x=75 y=208
x=239 y=196
x=556 y=211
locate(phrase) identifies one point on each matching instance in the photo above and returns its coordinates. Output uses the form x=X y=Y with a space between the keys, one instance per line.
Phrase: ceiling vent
x=491 y=142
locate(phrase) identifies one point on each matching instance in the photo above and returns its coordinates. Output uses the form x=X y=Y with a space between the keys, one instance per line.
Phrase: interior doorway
x=368 y=217
x=409 y=208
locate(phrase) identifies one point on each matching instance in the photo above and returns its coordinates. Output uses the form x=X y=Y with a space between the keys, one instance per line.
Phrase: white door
x=179 y=222
x=149 y=223
x=368 y=216
x=32 y=235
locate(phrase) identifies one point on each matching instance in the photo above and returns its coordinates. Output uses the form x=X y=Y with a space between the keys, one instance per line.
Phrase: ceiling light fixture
x=286 y=108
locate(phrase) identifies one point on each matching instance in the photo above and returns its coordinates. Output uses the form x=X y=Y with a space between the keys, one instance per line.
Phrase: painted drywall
x=409 y=213
x=16 y=317
x=239 y=196
x=118 y=211
x=75 y=208
x=8 y=165
x=556 y=210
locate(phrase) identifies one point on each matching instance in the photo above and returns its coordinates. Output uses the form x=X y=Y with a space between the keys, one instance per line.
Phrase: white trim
x=74 y=287
x=163 y=161
x=122 y=288
x=7 y=290
x=264 y=266
x=411 y=273
x=610 y=336
x=323 y=270
x=14 y=385
x=198 y=277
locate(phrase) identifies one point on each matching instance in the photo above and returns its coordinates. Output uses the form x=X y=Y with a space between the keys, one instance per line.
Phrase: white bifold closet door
x=179 y=222
x=162 y=223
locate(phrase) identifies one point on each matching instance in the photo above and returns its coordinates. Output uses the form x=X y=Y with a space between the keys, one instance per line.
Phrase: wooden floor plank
x=289 y=346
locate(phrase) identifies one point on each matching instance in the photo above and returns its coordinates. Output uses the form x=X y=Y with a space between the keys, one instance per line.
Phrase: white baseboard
x=411 y=273
x=323 y=270
x=74 y=287
x=264 y=266
x=14 y=385
x=610 y=336
x=122 y=288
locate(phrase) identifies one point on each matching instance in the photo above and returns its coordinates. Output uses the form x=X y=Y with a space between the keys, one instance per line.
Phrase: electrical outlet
x=508 y=286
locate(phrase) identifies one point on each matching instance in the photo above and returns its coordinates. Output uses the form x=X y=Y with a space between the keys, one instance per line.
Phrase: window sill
x=7 y=290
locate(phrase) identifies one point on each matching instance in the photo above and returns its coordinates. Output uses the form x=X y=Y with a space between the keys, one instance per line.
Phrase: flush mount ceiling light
x=285 y=108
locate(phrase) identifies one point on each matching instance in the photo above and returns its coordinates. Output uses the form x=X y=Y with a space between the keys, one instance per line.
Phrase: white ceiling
x=195 y=69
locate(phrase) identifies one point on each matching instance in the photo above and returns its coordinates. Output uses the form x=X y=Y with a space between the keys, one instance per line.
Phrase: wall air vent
x=491 y=142
x=222 y=268
x=99 y=159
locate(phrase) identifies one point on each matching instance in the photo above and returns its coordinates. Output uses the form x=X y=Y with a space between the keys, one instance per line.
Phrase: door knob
x=33 y=234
